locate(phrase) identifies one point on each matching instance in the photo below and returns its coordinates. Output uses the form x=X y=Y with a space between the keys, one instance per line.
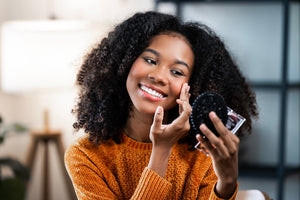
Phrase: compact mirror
x=202 y=106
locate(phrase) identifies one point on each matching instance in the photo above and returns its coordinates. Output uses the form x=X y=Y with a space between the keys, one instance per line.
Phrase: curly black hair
x=103 y=105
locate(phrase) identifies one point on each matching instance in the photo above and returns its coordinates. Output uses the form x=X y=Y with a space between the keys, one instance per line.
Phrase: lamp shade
x=38 y=55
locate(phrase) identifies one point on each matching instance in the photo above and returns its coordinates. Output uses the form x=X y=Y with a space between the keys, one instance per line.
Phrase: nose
x=159 y=75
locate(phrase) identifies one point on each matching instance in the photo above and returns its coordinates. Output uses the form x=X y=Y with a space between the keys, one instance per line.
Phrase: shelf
x=274 y=85
x=264 y=171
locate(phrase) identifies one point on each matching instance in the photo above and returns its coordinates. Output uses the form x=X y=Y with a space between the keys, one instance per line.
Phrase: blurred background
x=42 y=45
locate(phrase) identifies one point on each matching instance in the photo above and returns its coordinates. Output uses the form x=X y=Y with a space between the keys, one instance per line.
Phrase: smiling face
x=157 y=75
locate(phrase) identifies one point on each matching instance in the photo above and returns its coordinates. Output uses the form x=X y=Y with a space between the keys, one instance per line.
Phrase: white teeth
x=152 y=92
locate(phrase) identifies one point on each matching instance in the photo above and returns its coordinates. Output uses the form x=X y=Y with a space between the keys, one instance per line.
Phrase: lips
x=153 y=92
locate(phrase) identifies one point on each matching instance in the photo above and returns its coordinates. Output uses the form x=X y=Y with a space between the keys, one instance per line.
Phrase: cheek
x=134 y=72
x=176 y=87
x=137 y=69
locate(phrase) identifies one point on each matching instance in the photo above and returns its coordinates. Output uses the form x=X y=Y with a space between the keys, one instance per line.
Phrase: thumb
x=158 y=118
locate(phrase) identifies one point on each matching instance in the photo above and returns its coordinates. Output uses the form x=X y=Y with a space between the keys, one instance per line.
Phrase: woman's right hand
x=164 y=136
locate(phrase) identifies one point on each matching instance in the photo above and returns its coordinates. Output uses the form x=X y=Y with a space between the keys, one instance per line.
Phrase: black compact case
x=202 y=106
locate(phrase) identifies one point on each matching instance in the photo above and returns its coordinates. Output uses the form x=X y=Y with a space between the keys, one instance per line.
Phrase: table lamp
x=38 y=55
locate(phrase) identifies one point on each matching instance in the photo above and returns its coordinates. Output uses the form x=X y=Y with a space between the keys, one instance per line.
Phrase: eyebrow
x=158 y=55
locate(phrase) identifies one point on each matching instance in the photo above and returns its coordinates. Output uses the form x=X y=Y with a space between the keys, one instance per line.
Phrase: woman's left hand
x=224 y=153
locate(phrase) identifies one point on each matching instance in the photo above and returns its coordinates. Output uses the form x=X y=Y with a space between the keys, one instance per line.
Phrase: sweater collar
x=126 y=140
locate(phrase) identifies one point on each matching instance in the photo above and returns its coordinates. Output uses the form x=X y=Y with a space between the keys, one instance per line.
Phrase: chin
x=148 y=110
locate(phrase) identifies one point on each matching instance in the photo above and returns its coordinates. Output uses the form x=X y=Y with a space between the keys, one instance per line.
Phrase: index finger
x=184 y=94
x=226 y=135
x=221 y=129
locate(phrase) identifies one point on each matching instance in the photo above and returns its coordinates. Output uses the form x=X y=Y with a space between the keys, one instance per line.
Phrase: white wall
x=3 y=6
x=26 y=9
x=99 y=10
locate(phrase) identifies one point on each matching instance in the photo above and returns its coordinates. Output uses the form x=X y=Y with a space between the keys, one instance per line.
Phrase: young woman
x=136 y=89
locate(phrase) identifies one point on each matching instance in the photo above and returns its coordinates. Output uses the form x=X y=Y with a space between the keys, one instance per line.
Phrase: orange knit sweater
x=119 y=171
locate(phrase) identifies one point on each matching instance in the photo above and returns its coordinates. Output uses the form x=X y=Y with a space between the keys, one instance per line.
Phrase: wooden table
x=45 y=137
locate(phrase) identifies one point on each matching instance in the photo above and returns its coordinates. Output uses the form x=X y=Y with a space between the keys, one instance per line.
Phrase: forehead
x=171 y=34
x=173 y=46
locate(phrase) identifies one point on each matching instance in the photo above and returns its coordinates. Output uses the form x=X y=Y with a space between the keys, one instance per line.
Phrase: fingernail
x=203 y=127
x=159 y=110
x=213 y=114
x=186 y=85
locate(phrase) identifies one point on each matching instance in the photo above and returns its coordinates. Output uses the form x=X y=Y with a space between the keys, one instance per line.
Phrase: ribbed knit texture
x=119 y=171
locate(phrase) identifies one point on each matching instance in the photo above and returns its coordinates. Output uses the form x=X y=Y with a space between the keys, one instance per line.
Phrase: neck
x=138 y=126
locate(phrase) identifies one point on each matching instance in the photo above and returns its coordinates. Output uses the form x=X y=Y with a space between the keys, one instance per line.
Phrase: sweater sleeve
x=87 y=180
x=207 y=188
x=151 y=186
x=213 y=195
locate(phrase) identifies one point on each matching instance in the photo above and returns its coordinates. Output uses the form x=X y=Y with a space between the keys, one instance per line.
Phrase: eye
x=150 y=61
x=177 y=73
